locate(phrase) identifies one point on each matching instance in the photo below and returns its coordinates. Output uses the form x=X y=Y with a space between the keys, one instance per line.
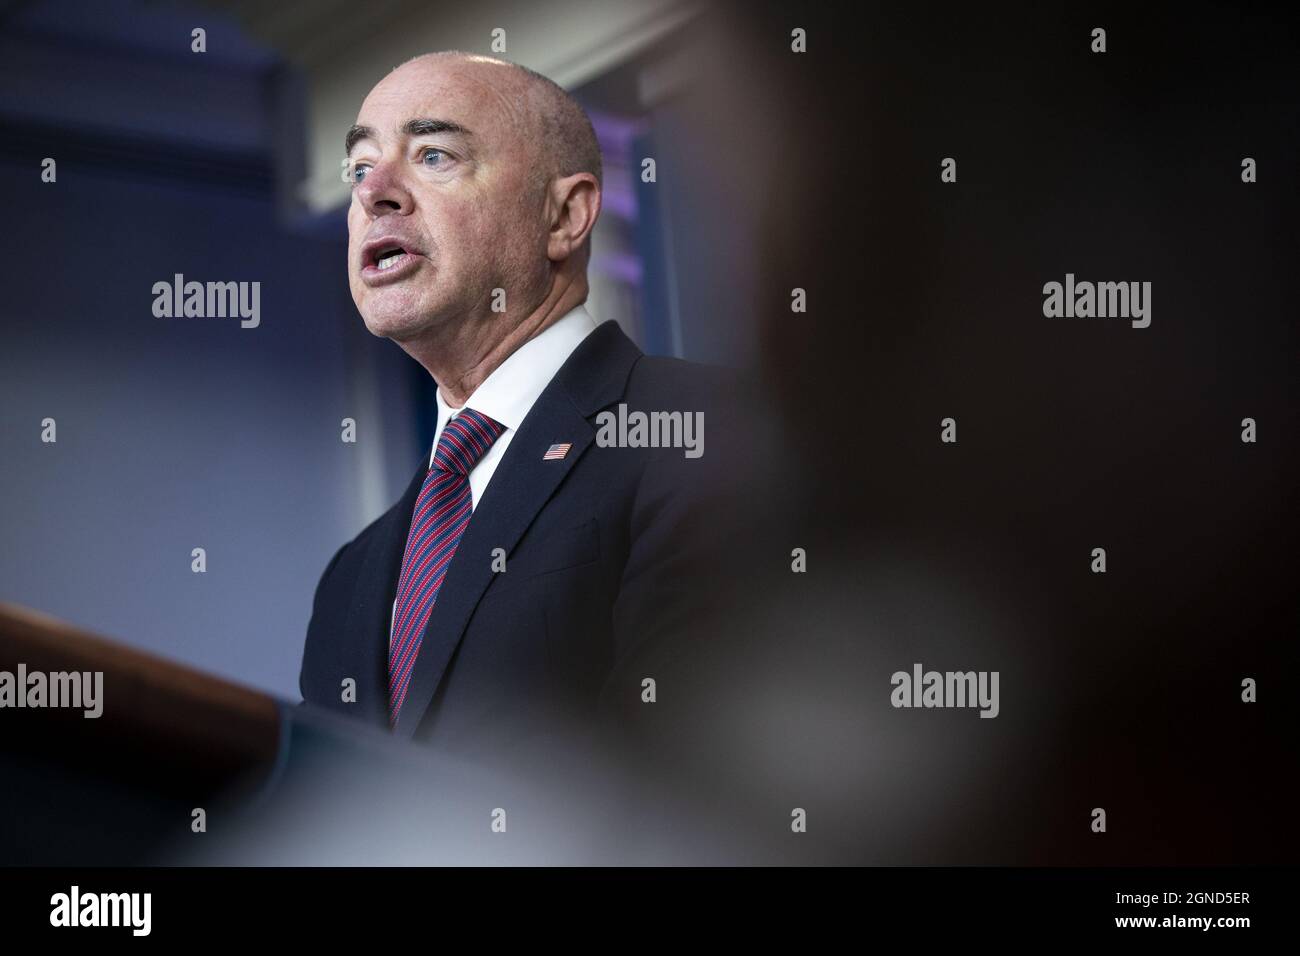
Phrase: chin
x=393 y=316
x=389 y=326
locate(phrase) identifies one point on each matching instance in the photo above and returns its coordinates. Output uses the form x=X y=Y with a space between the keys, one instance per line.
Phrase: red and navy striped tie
x=441 y=513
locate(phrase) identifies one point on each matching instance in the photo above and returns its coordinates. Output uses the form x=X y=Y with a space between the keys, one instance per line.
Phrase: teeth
x=389 y=260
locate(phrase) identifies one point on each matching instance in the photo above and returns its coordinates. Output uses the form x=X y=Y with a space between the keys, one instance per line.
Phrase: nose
x=383 y=191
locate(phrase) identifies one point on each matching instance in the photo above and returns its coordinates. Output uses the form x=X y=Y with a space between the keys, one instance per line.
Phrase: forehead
x=482 y=97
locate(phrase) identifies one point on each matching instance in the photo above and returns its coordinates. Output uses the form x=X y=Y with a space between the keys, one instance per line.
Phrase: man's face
x=444 y=209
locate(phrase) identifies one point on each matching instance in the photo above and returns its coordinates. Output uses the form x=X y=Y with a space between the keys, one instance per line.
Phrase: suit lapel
x=594 y=375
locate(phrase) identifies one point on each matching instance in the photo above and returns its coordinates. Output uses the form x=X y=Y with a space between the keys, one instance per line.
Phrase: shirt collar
x=507 y=395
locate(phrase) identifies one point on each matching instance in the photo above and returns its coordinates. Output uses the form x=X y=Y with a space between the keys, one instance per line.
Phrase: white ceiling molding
x=344 y=48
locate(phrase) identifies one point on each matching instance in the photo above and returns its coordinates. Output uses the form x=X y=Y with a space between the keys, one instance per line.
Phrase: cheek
x=356 y=232
x=459 y=224
x=464 y=240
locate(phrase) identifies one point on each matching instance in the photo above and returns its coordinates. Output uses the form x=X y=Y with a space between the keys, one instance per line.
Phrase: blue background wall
x=179 y=433
x=175 y=433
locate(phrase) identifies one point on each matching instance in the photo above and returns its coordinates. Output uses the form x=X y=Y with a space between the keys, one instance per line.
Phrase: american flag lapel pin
x=556 y=452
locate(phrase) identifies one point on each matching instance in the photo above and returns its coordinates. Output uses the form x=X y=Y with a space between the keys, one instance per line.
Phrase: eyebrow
x=413 y=127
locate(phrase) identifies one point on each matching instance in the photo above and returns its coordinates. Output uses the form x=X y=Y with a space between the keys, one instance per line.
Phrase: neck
x=461 y=355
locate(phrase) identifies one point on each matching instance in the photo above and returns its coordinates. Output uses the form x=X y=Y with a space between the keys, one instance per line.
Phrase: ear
x=573 y=203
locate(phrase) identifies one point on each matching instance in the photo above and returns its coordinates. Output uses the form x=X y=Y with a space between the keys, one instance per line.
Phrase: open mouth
x=389 y=257
x=389 y=260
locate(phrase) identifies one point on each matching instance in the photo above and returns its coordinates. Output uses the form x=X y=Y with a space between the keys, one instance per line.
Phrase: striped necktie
x=442 y=512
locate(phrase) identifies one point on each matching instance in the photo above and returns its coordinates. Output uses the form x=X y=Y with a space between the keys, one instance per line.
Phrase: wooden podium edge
x=149 y=702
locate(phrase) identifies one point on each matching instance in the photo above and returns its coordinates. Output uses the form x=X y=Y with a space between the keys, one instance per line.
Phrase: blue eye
x=353 y=173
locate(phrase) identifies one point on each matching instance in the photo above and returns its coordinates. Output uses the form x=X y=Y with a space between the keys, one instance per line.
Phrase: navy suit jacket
x=603 y=564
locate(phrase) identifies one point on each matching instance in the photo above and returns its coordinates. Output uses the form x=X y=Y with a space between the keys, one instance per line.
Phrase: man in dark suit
x=546 y=555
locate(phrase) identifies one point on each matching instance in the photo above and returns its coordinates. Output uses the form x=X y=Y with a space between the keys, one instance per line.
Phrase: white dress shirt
x=507 y=395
